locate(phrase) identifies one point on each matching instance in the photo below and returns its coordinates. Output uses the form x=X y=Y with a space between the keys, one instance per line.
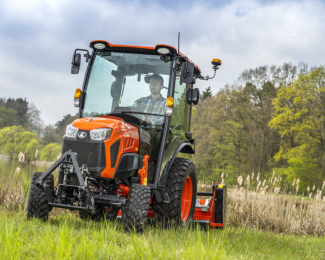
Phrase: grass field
x=67 y=237
x=260 y=226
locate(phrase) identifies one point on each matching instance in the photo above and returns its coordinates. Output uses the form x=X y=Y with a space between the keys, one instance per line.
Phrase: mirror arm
x=87 y=55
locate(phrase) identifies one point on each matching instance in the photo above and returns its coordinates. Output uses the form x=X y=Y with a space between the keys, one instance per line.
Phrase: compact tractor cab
x=120 y=157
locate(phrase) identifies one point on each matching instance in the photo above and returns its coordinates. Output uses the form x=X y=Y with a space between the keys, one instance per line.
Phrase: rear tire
x=181 y=186
x=137 y=207
x=37 y=199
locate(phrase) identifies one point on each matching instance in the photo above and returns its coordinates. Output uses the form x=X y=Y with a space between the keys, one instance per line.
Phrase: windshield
x=134 y=82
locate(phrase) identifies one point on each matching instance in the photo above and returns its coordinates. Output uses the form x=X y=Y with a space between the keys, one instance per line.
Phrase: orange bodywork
x=143 y=173
x=186 y=199
x=126 y=133
x=146 y=48
x=207 y=216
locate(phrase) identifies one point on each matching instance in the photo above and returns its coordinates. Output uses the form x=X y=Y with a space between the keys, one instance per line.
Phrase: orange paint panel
x=200 y=215
x=121 y=131
x=212 y=225
x=124 y=46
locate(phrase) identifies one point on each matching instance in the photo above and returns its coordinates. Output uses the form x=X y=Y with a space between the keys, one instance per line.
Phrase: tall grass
x=268 y=208
x=66 y=237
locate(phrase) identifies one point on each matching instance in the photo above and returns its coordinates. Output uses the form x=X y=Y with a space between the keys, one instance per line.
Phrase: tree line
x=271 y=119
x=22 y=130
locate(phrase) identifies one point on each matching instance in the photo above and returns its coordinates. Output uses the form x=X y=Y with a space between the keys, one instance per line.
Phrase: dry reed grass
x=269 y=209
x=12 y=195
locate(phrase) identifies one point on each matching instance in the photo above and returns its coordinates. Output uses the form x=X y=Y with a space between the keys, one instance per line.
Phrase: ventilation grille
x=129 y=143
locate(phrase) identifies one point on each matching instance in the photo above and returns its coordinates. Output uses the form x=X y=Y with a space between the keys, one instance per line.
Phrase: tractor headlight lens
x=163 y=51
x=101 y=134
x=71 y=131
x=99 y=46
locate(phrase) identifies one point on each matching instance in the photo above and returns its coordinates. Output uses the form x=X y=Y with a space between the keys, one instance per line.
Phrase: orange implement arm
x=143 y=173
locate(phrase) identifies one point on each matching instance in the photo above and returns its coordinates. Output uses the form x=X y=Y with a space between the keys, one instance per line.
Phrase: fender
x=184 y=147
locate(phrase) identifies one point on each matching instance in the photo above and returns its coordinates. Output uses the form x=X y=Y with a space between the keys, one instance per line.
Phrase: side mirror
x=187 y=72
x=193 y=96
x=75 y=64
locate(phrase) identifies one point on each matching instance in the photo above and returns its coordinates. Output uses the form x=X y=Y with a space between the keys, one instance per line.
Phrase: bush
x=51 y=152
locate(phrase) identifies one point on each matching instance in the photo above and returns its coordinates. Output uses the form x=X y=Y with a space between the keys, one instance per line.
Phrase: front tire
x=37 y=199
x=181 y=186
x=137 y=207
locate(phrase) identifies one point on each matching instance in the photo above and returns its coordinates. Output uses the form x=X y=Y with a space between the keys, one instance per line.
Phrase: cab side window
x=179 y=122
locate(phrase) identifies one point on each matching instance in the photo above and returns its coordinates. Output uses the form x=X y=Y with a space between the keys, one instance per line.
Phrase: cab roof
x=141 y=49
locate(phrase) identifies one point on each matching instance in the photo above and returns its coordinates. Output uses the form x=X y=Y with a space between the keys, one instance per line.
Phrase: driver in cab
x=153 y=104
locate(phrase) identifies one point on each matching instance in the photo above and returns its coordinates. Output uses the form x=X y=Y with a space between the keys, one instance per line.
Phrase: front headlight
x=100 y=134
x=71 y=131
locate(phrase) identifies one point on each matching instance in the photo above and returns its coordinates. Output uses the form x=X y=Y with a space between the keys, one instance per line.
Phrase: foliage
x=50 y=152
x=25 y=115
x=16 y=139
x=271 y=118
x=62 y=125
x=299 y=116
x=206 y=94
x=8 y=117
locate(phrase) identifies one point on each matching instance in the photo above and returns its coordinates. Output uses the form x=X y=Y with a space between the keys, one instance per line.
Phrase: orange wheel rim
x=186 y=199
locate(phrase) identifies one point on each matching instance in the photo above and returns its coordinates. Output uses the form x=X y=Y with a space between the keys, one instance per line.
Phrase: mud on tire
x=180 y=171
x=37 y=198
x=137 y=207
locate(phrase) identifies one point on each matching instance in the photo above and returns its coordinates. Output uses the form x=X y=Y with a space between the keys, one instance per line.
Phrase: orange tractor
x=120 y=157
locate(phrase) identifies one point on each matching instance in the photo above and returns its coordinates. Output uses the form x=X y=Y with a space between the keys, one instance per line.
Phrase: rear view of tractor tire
x=37 y=200
x=137 y=207
x=181 y=187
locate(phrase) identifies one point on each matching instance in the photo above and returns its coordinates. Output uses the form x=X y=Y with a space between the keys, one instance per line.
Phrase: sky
x=38 y=38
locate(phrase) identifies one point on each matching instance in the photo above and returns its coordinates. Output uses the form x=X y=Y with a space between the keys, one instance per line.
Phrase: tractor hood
x=90 y=123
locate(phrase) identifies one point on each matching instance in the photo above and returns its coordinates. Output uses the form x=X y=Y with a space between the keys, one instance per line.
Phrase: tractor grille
x=91 y=153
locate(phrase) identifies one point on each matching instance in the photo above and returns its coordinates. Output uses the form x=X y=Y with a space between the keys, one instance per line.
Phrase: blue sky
x=37 y=39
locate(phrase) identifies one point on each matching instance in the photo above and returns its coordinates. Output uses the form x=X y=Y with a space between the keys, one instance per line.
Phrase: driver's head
x=156 y=84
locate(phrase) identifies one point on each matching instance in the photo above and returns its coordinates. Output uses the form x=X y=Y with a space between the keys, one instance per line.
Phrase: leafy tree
x=8 y=117
x=300 y=117
x=62 y=124
x=31 y=149
x=20 y=105
x=206 y=94
x=34 y=122
x=49 y=134
x=15 y=139
x=50 y=152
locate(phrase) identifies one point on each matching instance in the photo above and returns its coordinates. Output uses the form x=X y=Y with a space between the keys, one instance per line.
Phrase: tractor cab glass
x=130 y=82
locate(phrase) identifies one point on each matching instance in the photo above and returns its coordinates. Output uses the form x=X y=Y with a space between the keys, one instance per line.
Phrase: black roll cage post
x=85 y=82
x=171 y=89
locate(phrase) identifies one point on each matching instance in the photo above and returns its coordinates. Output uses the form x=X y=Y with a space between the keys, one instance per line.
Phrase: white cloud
x=37 y=39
